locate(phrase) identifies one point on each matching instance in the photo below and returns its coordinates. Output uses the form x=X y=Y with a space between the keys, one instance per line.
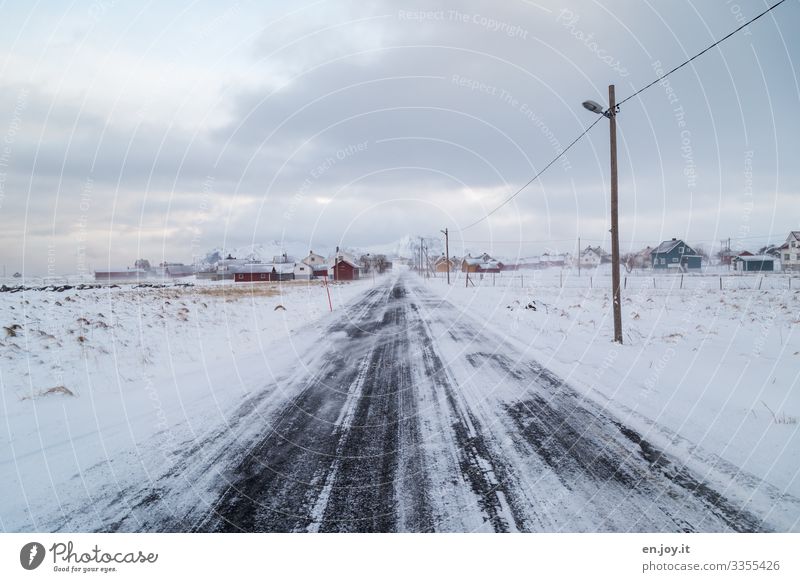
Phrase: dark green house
x=675 y=254
x=754 y=263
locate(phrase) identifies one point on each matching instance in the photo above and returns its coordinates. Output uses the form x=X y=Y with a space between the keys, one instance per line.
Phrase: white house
x=790 y=252
x=314 y=259
x=303 y=271
x=592 y=257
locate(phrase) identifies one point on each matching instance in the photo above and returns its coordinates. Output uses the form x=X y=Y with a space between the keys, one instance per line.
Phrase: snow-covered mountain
x=259 y=252
x=408 y=246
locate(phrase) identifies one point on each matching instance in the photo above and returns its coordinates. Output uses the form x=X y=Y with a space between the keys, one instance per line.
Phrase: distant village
x=670 y=255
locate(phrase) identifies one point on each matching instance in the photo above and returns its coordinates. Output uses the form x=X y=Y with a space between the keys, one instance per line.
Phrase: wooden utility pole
x=615 y=282
x=420 y=256
x=447 y=253
x=579 y=256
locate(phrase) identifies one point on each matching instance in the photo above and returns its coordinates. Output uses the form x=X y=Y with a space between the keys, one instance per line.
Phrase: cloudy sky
x=164 y=129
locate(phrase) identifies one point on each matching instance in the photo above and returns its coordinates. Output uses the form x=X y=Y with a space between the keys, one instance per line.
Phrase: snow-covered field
x=89 y=377
x=710 y=375
x=106 y=392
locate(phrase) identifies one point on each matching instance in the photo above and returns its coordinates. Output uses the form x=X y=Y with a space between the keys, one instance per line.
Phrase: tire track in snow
x=275 y=486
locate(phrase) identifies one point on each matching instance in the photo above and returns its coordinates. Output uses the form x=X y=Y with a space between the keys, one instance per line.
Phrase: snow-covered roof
x=755 y=258
x=795 y=234
x=180 y=269
x=473 y=260
x=349 y=262
x=668 y=245
x=121 y=270
x=281 y=268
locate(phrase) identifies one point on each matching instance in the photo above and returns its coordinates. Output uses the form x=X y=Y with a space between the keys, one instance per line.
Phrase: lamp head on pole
x=595 y=107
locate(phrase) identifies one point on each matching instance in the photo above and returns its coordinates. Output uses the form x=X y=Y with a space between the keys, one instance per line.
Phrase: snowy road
x=417 y=418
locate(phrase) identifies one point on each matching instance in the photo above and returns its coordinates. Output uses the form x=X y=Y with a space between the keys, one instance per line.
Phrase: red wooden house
x=344 y=270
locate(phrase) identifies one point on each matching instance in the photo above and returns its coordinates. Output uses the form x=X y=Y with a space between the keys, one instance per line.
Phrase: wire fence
x=570 y=279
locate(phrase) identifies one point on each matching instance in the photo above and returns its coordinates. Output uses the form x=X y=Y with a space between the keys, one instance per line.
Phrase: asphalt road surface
x=418 y=418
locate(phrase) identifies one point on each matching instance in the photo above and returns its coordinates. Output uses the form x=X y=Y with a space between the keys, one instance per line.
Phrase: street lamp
x=611 y=113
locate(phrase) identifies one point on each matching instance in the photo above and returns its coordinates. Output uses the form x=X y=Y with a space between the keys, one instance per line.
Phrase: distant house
x=381 y=263
x=282 y=259
x=264 y=272
x=120 y=274
x=593 y=257
x=321 y=271
x=790 y=252
x=549 y=260
x=773 y=250
x=726 y=256
x=313 y=259
x=489 y=267
x=754 y=263
x=176 y=270
x=675 y=254
x=345 y=270
x=443 y=264
x=642 y=259
x=303 y=271
x=470 y=264
x=529 y=263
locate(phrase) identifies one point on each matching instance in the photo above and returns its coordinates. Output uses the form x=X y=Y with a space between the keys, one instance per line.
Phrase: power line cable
x=529 y=182
x=708 y=48
x=606 y=112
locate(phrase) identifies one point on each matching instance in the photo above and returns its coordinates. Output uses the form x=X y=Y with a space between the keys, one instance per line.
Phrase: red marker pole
x=330 y=305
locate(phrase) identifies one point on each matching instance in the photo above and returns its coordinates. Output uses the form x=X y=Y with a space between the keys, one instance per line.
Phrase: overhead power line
x=542 y=171
x=708 y=48
x=573 y=142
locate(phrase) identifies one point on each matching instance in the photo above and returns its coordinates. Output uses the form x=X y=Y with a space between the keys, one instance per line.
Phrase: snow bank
x=92 y=380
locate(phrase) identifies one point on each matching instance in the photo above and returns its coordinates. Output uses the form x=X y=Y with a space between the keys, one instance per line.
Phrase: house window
x=680 y=250
x=786 y=257
x=263 y=275
x=663 y=261
x=240 y=277
x=675 y=260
